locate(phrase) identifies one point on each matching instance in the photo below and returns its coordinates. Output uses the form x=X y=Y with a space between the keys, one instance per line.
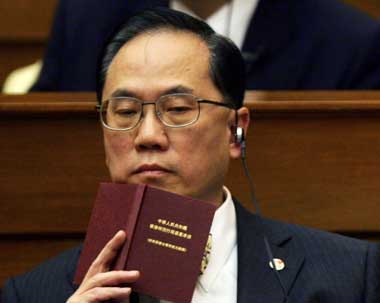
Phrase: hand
x=100 y=284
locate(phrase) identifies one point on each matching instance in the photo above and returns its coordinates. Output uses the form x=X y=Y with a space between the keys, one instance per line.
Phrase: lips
x=151 y=169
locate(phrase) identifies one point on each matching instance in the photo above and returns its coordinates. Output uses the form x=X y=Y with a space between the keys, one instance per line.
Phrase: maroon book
x=166 y=237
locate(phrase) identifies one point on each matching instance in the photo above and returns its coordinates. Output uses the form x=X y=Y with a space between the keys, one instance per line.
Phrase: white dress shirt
x=230 y=20
x=218 y=283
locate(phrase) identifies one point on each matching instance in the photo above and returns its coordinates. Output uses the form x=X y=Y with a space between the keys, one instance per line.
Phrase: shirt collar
x=237 y=12
x=223 y=231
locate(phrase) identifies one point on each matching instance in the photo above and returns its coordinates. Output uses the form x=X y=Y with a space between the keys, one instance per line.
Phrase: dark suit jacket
x=320 y=267
x=290 y=44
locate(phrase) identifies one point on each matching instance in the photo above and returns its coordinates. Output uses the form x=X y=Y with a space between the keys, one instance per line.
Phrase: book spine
x=130 y=226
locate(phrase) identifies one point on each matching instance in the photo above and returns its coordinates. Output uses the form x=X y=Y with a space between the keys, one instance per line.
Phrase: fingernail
x=119 y=232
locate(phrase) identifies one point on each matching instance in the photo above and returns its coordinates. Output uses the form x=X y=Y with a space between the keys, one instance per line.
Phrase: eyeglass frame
x=198 y=100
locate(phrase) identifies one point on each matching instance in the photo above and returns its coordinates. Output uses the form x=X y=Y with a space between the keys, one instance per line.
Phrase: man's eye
x=126 y=112
x=178 y=109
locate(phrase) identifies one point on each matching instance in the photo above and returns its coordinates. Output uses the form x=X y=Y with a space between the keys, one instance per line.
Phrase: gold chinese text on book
x=175 y=229
x=166 y=237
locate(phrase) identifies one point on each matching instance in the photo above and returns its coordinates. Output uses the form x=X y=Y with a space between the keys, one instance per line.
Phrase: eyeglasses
x=174 y=110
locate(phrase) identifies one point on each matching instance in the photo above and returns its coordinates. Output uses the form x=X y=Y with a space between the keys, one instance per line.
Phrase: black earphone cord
x=241 y=140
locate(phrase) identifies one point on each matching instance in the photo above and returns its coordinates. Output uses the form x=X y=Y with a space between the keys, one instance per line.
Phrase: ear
x=243 y=122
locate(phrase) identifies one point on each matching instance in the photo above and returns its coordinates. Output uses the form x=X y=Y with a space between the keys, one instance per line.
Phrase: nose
x=151 y=134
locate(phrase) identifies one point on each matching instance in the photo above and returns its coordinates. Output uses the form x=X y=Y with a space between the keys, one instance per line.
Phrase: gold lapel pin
x=280 y=265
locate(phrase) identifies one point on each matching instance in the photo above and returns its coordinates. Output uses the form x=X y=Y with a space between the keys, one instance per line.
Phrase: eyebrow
x=179 y=89
x=121 y=92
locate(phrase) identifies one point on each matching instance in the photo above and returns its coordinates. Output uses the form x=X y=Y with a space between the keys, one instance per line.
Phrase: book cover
x=166 y=237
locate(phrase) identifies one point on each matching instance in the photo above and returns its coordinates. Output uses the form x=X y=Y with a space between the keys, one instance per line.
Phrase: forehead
x=158 y=59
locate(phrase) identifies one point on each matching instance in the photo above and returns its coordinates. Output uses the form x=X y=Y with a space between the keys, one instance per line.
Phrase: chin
x=156 y=182
x=166 y=187
x=150 y=181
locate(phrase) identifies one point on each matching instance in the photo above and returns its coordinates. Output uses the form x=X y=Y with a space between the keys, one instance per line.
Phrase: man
x=171 y=94
x=288 y=44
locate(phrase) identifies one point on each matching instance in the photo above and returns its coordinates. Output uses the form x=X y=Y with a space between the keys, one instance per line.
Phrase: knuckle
x=95 y=280
x=97 y=263
x=96 y=293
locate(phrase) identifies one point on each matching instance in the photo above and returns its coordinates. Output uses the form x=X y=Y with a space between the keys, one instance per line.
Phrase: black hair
x=227 y=69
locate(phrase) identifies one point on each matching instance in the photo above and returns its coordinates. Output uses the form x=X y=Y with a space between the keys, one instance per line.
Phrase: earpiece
x=240 y=139
x=239 y=135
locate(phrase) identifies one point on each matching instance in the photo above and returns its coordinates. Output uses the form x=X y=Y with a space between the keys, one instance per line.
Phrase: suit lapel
x=257 y=282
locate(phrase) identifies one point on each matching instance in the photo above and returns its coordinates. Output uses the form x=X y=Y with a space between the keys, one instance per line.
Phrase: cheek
x=117 y=149
x=204 y=151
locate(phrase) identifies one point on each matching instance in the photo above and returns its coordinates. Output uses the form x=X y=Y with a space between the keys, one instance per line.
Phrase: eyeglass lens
x=172 y=110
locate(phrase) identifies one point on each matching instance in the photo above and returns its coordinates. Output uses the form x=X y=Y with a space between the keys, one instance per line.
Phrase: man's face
x=192 y=160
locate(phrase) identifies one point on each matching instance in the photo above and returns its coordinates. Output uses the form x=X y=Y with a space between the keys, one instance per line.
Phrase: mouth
x=151 y=170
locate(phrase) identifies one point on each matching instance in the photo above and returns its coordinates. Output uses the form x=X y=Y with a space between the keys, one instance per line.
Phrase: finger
x=98 y=294
x=111 y=278
x=107 y=255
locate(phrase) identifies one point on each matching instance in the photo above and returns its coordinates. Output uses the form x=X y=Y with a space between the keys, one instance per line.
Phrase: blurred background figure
x=21 y=80
x=287 y=44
